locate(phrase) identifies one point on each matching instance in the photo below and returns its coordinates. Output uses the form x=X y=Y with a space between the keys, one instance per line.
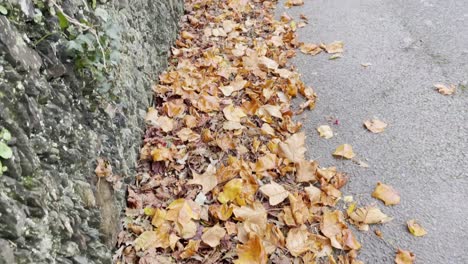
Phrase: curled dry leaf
x=275 y=192
x=345 y=151
x=212 y=236
x=325 y=131
x=290 y=3
x=445 y=89
x=309 y=48
x=334 y=47
x=386 y=193
x=369 y=215
x=375 y=125
x=294 y=147
x=415 y=228
x=404 y=257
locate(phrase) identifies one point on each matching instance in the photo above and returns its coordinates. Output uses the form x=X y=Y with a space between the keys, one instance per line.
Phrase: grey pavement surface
x=424 y=151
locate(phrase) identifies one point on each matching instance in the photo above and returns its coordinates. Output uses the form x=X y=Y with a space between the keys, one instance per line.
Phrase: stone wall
x=53 y=207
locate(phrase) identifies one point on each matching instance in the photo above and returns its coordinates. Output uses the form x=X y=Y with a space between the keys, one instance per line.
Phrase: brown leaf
x=297 y=241
x=293 y=148
x=275 y=192
x=404 y=257
x=386 y=193
x=415 y=228
x=207 y=180
x=233 y=113
x=306 y=171
x=309 y=48
x=369 y=215
x=212 y=236
x=334 y=47
x=375 y=125
x=345 y=151
x=445 y=89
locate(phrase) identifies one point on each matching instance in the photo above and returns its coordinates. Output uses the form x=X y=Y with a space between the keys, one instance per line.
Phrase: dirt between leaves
x=223 y=176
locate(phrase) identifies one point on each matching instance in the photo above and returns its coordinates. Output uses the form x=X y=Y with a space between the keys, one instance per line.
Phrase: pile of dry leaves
x=223 y=176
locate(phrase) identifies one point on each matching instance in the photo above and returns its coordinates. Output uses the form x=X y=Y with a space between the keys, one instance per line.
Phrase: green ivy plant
x=5 y=150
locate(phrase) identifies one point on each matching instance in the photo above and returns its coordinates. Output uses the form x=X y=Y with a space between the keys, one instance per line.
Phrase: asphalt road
x=424 y=151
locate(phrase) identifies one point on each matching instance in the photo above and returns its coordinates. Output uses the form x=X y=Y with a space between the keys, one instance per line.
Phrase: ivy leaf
x=5 y=151
x=63 y=21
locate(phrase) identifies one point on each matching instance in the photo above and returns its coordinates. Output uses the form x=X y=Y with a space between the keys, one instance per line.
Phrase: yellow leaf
x=404 y=257
x=375 y=125
x=445 y=89
x=212 y=236
x=207 y=180
x=415 y=228
x=231 y=191
x=345 y=151
x=182 y=211
x=275 y=192
x=293 y=148
x=386 y=193
x=191 y=249
x=233 y=113
x=161 y=154
x=369 y=215
x=251 y=252
x=325 y=131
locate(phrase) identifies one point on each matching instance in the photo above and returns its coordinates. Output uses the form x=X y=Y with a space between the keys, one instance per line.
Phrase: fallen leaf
x=375 y=125
x=293 y=148
x=386 y=193
x=165 y=123
x=325 y=131
x=251 y=252
x=404 y=257
x=309 y=48
x=369 y=215
x=290 y=3
x=335 y=56
x=334 y=47
x=231 y=191
x=445 y=89
x=306 y=171
x=415 y=228
x=275 y=192
x=366 y=64
x=297 y=241
x=207 y=180
x=233 y=113
x=191 y=249
x=345 y=151
x=212 y=236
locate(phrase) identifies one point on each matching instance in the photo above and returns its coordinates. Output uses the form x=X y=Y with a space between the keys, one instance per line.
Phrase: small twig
x=84 y=28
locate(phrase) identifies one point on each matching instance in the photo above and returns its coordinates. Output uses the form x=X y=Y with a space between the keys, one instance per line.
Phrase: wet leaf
x=386 y=193
x=415 y=228
x=212 y=236
x=375 y=125
x=345 y=151
x=404 y=257
x=275 y=192
x=325 y=131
